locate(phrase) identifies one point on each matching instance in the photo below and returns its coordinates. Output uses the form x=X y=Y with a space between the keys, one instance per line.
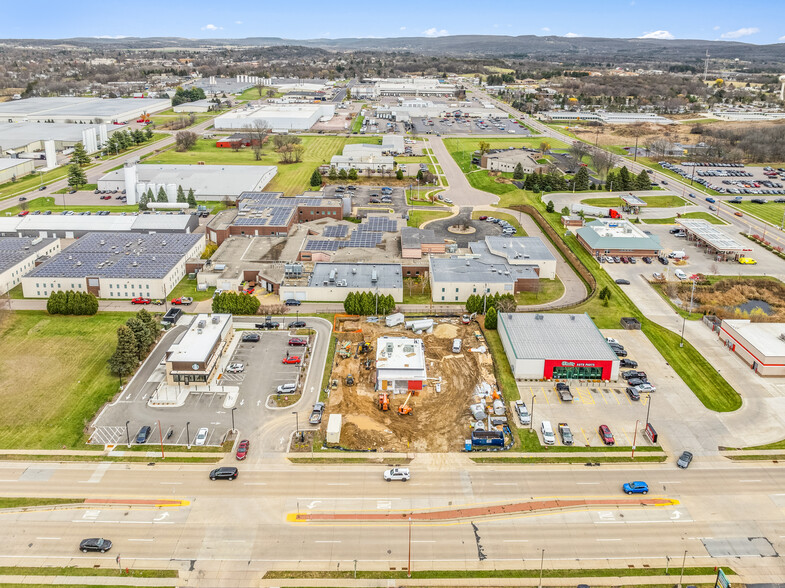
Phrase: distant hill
x=574 y=49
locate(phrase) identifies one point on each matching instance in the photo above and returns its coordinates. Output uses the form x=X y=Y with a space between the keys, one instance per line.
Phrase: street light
x=683 y=561
x=187 y=435
x=297 y=423
x=648 y=408
x=127 y=435
x=233 y=409
x=531 y=416
x=635 y=438
x=542 y=560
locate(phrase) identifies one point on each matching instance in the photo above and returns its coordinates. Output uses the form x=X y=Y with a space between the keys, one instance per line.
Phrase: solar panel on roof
x=378 y=224
x=364 y=239
x=336 y=231
x=322 y=245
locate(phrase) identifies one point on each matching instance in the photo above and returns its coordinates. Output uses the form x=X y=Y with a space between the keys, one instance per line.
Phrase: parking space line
x=585 y=438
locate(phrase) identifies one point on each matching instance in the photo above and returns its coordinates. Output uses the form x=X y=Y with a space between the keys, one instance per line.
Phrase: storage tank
x=394 y=319
x=478 y=411
x=171 y=192
x=498 y=407
x=420 y=325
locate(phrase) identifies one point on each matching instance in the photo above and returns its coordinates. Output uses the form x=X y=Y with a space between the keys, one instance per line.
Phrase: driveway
x=459 y=190
x=482 y=228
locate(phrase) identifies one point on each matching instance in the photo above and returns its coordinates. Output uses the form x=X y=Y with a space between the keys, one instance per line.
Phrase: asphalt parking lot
x=263 y=373
x=462 y=127
x=736 y=178
x=362 y=195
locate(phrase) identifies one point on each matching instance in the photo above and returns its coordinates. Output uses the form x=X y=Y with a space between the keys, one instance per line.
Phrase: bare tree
x=184 y=140
x=603 y=161
x=236 y=144
x=506 y=305
x=297 y=152
x=258 y=131
x=579 y=150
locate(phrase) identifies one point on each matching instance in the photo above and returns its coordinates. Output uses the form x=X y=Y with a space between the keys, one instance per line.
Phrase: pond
x=751 y=305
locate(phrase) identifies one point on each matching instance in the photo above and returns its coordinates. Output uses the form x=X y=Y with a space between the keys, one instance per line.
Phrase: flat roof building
x=116 y=265
x=205 y=105
x=69 y=109
x=400 y=364
x=18 y=256
x=285 y=117
x=14 y=169
x=416 y=242
x=556 y=346
x=506 y=160
x=195 y=357
x=334 y=281
x=760 y=345
x=609 y=236
x=29 y=137
x=76 y=226
x=611 y=118
x=716 y=242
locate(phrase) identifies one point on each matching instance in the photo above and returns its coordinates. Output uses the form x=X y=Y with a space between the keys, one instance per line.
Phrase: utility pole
x=531 y=416
x=648 y=408
x=684 y=559
x=542 y=560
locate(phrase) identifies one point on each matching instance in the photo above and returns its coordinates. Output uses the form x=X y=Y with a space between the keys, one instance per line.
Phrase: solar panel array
x=378 y=224
x=336 y=231
x=323 y=245
x=364 y=239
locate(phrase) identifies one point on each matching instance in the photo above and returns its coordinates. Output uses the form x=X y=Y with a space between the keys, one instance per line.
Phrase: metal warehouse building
x=18 y=256
x=79 y=110
x=76 y=226
x=290 y=117
x=556 y=346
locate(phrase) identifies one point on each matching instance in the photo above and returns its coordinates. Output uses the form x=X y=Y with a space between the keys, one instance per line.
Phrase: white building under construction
x=400 y=364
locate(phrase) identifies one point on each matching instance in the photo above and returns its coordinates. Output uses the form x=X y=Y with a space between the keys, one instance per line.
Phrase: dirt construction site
x=440 y=418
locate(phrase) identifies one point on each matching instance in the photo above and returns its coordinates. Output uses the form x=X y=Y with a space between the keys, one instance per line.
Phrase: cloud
x=403 y=28
x=571 y=35
x=782 y=38
x=211 y=27
x=742 y=32
x=238 y=22
x=657 y=35
x=717 y=28
x=545 y=29
x=434 y=32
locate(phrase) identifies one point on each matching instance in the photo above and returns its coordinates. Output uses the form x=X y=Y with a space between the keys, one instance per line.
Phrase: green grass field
x=462 y=149
x=292 y=178
x=187 y=287
x=66 y=381
x=84 y=188
x=707 y=216
x=653 y=201
x=418 y=217
x=550 y=290
x=48 y=203
x=31 y=182
x=771 y=212
x=482 y=181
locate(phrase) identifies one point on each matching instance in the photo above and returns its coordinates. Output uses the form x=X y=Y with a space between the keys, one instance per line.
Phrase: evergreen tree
x=143 y=201
x=349 y=303
x=490 y=318
x=76 y=176
x=342 y=174
x=352 y=174
x=612 y=180
x=142 y=335
x=332 y=174
x=191 y=198
x=399 y=174
x=642 y=182
x=79 y=155
x=180 y=194
x=162 y=195
x=565 y=211
x=517 y=174
x=316 y=179
x=625 y=180
x=126 y=356
x=549 y=207
x=148 y=133
x=581 y=179
x=419 y=175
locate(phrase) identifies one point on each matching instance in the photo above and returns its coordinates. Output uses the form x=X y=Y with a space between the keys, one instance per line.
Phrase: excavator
x=405 y=409
x=384 y=401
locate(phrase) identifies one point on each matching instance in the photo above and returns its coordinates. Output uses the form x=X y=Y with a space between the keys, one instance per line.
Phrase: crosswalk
x=106 y=435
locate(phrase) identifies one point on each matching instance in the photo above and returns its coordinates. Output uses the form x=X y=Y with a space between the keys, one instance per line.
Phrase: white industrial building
x=363 y=156
x=610 y=118
x=333 y=282
x=79 y=110
x=400 y=364
x=76 y=225
x=44 y=140
x=279 y=117
x=116 y=265
x=500 y=265
x=760 y=345
x=18 y=256
x=374 y=88
x=209 y=182
x=205 y=105
x=746 y=115
x=14 y=169
x=410 y=108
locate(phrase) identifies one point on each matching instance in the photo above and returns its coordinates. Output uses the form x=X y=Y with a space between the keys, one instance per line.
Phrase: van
x=677 y=254
x=547 y=433
x=456 y=345
x=680 y=274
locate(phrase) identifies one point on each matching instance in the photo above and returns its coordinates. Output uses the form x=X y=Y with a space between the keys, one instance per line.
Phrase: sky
x=748 y=21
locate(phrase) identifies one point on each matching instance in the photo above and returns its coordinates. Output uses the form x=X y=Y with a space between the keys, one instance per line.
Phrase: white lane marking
x=255 y=483
x=125 y=522
x=337 y=484
x=587 y=483
x=98 y=474
x=608 y=539
x=326 y=541
x=171 y=483
x=642 y=522
x=140 y=539
x=516 y=541
x=748 y=481
x=346 y=498
x=48 y=538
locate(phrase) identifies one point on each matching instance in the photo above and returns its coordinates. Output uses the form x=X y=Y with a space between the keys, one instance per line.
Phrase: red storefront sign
x=554 y=363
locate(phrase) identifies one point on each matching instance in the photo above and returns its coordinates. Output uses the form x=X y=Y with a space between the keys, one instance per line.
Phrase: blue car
x=636 y=488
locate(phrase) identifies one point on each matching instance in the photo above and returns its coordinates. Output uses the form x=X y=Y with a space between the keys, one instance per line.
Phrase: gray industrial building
x=333 y=282
x=66 y=109
x=18 y=256
x=116 y=265
x=29 y=137
x=76 y=226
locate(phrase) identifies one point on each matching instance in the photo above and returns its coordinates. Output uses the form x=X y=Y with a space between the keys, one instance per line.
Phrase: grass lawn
x=549 y=290
x=187 y=287
x=510 y=218
x=74 y=571
x=707 y=216
x=253 y=93
x=415 y=292
x=653 y=201
x=482 y=181
x=411 y=197
x=418 y=217
x=462 y=149
x=414 y=159
x=292 y=178
x=22 y=501
x=48 y=203
x=530 y=443
x=85 y=188
x=771 y=212
x=501 y=366
x=31 y=182
x=66 y=376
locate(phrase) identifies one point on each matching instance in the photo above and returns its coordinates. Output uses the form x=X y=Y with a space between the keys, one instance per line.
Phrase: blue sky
x=750 y=21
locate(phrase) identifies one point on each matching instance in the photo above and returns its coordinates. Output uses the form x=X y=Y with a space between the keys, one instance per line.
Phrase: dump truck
x=566 y=434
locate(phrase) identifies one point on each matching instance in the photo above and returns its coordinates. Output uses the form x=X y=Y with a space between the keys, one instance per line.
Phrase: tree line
x=134 y=341
x=235 y=303
x=72 y=302
x=149 y=196
x=181 y=95
x=368 y=303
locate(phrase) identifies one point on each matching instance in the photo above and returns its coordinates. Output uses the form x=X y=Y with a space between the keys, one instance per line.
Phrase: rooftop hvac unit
x=102 y=242
x=135 y=263
x=572 y=317
x=216 y=320
x=78 y=263
x=538 y=317
x=333 y=272
x=354 y=270
x=374 y=277
x=163 y=243
x=201 y=324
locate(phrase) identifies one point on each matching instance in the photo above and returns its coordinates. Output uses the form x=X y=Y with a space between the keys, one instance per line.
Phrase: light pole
x=161 y=437
x=297 y=423
x=542 y=560
x=531 y=416
x=127 y=435
x=233 y=428
x=187 y=435
x=409 y=567
x=683 y=561
x=648 y=408
x=635 y=438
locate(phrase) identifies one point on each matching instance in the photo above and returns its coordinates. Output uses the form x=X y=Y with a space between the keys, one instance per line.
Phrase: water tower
x=782 y=88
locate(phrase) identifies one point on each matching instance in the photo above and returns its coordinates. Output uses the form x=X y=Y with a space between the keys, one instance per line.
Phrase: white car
x=645 y=387
x=401 y=474
x=611 y=340
x=201 y=436
x=235 y=368
x=448 y=201
x=286 y=388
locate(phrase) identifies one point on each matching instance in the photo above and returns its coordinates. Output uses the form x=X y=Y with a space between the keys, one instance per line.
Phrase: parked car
x=401 y=474
x=298 y=342
x=296 y=325
x=292 y=359
x=286 y=388
x=636 y=487
x=684 y=460
x=633 y=393
x=629 y=374
x=268 y=324
x=646 y=387
x=234 y=368
x=140 y=300
x=628 y=363
x=251 y=338
x=144 y=434
x=316 y=413
x=292 y=302
x=623 y=282
x=606 y=435
x=201 y=436
x=183 y=300
x=523 y=413
x=619 y=352
x=95 y=544
x=225 y=473
x=242 y=450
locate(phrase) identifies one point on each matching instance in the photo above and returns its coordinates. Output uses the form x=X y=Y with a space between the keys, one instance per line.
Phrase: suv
x=251 y=338
x=606 y=435
x=401 y=474
x=292 y=302
x=684 y=460
x=268 y=324
x=286 y=388
x=225 y=473
x=144 y=434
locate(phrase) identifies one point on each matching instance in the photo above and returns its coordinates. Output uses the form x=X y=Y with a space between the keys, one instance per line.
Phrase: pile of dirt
x=439 y=421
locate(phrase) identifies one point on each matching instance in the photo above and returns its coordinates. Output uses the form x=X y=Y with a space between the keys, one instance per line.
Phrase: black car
x=646 y=259
x=251 y=338
x=633 y=394
x=663 y=260
x=267 y=325
x=292 y=302
x=226 y=473
x=628 y=363
x=95 y=544
x=619 y=352
x=684 y=460
x=636 y=382
x=144 y=434
x=628 y=375
x=296 y=324
x=623 y=282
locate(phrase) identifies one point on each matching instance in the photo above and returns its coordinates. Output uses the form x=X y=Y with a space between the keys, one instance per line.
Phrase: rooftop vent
x=201 y=324
x=216 y=320
x=572 y=317
x=102 y=242
x=135 y=263
x=78 y=263
x=538 y=317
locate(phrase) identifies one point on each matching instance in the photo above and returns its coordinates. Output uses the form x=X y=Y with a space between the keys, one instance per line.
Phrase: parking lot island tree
x=76 y=176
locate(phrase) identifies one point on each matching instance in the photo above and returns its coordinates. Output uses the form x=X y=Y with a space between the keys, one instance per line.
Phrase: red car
x=484 y=217
x=106 y=197
x=292 y=359
x=182 y=300
x=606 y=435
x=140 y=300
x=298 y=342
x=242 y=450
x=23 y=213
